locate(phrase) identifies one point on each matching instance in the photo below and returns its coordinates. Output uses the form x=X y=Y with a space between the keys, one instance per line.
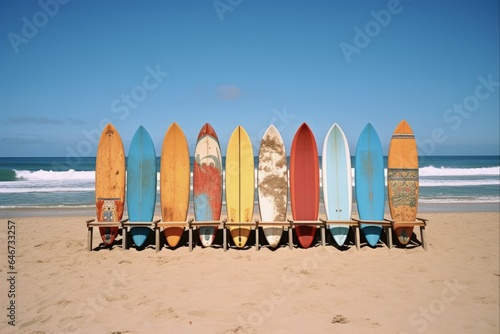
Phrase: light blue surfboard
x=369 y=182
x=337 y=182
x=141 y=184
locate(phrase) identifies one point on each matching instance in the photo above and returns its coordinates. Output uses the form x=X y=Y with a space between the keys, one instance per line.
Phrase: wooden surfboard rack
x=388 y=224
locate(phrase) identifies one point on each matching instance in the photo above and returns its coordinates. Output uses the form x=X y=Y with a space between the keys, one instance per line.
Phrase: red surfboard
x=304 y=183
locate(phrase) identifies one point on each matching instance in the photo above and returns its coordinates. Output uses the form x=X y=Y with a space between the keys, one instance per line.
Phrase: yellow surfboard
x=109 y=181
x=240 y=184
x=174 y=182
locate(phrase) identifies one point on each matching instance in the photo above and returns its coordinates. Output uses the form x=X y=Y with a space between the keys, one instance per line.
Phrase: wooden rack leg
x=323 y=237
x=224 y=241
x=89 y=238
x=356 y=236
x=124 y=238
x=389 y=236
x=422 y=236
x=257 y=238
x=190 y=239
x=157 y=239
x=290 y=237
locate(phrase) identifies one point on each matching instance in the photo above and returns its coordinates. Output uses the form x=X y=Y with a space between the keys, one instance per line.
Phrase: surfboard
x=174 y=182
x=141 y=183
x=207 y=182
x=240 y=184
x=369 y=182
x=272 y=184
x=109 y=181
x=402 y=180
x=304 y=183
x=337 y=182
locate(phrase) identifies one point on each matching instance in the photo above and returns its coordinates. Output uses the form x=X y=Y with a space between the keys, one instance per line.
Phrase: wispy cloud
x=20 y=140
x=228 y=92
x=40 y=120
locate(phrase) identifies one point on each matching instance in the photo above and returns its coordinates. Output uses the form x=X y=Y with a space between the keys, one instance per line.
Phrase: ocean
x=447 y=183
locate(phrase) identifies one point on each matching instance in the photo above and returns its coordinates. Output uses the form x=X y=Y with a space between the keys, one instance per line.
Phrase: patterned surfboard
x=402 y=180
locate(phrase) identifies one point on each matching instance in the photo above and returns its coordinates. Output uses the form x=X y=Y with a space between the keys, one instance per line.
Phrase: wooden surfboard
x=110 y=181
x=272 y=176
x=304 y=183
x=174 y=182
x=141 y=184
x=337 y=182
x=402 y=180
x=240 y=184
x=369 y=182
x=207 y=182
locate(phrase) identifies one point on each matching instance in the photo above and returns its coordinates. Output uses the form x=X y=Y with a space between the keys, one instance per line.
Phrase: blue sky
x=68 y=67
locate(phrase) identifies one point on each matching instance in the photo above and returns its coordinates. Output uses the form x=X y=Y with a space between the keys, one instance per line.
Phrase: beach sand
x=60 y=287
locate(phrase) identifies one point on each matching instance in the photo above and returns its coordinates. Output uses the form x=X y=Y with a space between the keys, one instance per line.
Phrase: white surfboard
x=272 y=176
x=337 y=182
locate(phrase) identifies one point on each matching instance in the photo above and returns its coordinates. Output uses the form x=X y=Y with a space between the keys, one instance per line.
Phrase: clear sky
x=68 y=67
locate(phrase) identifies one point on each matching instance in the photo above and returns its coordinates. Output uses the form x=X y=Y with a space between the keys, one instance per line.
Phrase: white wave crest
x=458 y=183
x=19 y=190
x=434 y=171
x=43 y=175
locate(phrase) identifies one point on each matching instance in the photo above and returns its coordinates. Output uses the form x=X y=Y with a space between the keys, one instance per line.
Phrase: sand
x=60 y=287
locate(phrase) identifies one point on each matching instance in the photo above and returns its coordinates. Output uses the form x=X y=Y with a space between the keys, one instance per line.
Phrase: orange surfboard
x=109 y=181
x=174 y=182
x=402 y=180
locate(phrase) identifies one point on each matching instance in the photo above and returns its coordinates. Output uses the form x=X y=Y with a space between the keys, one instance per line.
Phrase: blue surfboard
x=337 y=182
x=141 y=184
x=369 y=182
